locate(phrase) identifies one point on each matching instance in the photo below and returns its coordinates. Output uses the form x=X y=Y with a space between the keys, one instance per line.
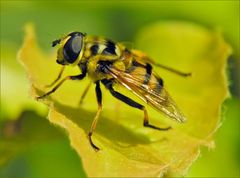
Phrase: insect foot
x=91 y=142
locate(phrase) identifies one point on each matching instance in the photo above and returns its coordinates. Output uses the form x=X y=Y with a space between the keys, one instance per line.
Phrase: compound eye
x=72 y=48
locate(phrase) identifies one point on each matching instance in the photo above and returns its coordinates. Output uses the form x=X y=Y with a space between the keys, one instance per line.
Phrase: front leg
x=75 y=77
x=58 y=77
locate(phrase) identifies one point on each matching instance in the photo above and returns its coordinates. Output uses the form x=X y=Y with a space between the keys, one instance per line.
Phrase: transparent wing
x=152 y=93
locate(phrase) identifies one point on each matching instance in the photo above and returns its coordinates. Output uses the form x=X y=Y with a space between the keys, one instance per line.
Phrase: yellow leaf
x=127 y=148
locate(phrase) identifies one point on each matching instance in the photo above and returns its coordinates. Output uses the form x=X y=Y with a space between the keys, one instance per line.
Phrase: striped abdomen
x=145 y=75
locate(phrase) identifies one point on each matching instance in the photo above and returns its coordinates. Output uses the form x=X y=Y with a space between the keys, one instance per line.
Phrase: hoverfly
x=110 y=63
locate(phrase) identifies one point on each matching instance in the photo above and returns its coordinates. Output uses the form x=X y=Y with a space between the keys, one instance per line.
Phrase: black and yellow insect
x=112 y=63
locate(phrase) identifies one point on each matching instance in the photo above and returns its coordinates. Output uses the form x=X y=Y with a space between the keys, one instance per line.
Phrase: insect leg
x=141 y=56
x=84 y=93
x=58 y=77
x=130 y=102
x=183 y=74
x=75 y=77
x=95 y=120
x=146 y=122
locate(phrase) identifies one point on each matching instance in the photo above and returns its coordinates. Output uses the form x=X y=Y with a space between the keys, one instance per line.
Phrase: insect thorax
x=98 y=49
x=100 y=46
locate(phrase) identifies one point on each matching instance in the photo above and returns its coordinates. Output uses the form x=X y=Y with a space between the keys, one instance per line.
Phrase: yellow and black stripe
x=100 y=46
x=146 y=75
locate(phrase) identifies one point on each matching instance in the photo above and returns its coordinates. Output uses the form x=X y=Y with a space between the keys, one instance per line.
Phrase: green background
x=34 y=153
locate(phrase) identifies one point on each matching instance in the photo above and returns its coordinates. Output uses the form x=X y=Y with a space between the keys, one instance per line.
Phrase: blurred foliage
x=120 y=21
x=42 y=149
